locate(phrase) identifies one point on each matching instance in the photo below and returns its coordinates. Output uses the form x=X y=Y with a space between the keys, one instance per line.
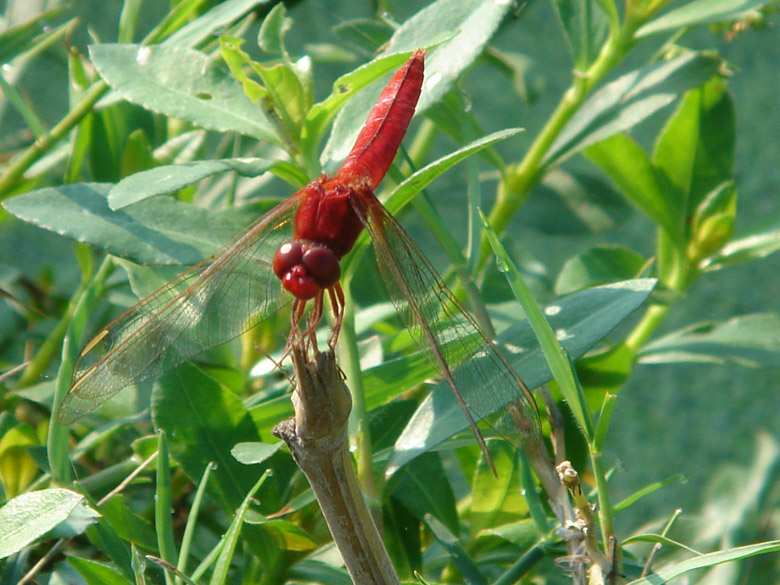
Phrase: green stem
x=602 y=492
x=349 y=360
x=15 y=172
x=519 y=180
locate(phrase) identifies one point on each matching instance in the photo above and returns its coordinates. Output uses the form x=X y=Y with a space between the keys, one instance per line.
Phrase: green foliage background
x=703 y=420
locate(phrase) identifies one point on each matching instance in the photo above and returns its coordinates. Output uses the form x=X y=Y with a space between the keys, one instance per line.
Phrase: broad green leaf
x=634 y=174
x=597 y=266
x=29 y=516
x=580 y=321
x=745 y=249
x=170 y=178
x=95 y=573
x=747 y=340
x=207 y=421
x=182 y=83
x=424 y=488
x=473 y=22
x=673 y=570
x=159 y=231
x=699 y=12
x=696 y=148
x=630 y=99
x=496 y=498
x=17 y=467
x=128 y=525
x=586 y=27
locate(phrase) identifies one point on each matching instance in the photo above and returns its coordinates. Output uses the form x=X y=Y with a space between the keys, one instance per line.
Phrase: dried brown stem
x=317 y=438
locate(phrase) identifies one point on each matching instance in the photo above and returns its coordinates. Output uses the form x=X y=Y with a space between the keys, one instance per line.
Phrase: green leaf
x=128 y=525
x=496 y=498
x=170 y=178
x=696 y=148
x=745 y=249
x=560 y=363
x=630 y=99
x=160 y=231
x=458 y=554
x=253 y=453
x=586 y=27
x=207 y=421
x=597 y=266
x=634 y=174
x=423 y=488
x=95 y=573
x=581 y=320
x=472 y=22
x=230 y=539
x=182 y=83
x=747 y=340
x=205 y=25
x=674 y=570
x=28 y=517
x=27 y=36
x=699 y=12
x=346 y=86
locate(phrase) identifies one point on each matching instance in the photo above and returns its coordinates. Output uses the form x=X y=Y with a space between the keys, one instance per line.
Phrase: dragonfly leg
x=337 y=301
x=309 y=336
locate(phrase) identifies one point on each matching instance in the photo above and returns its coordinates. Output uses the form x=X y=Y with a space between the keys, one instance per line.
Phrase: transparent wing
x=209 y=304
x=483 y=381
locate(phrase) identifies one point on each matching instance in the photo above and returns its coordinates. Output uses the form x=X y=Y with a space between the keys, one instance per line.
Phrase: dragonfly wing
x=483 y=381
x=209 y=304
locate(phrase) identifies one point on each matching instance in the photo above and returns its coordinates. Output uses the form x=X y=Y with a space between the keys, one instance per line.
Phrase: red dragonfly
x=238 y=287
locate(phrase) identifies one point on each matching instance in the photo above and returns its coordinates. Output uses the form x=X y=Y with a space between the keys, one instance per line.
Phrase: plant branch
x=317 y=438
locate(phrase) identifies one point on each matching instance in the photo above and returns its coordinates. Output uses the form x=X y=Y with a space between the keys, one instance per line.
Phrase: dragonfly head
x=306 y=269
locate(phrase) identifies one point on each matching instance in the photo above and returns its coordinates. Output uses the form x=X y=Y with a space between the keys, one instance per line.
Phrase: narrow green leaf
x=206 y=24
x=745 y=249
x=581 y=320
x=466 y=565
x=597 y=266
x=192 y=519
x=27 y=517
x=222 y=566
x=747 y=340
x=163 y=505
x=630 y=99
x=560 y=366
x=182 y=83
x=699 y=12
x=646 y=491
x=672 y=571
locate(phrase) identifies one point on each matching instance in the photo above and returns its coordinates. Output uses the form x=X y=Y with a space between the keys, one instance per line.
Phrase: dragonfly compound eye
x=287 y=256
x=322 y=265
